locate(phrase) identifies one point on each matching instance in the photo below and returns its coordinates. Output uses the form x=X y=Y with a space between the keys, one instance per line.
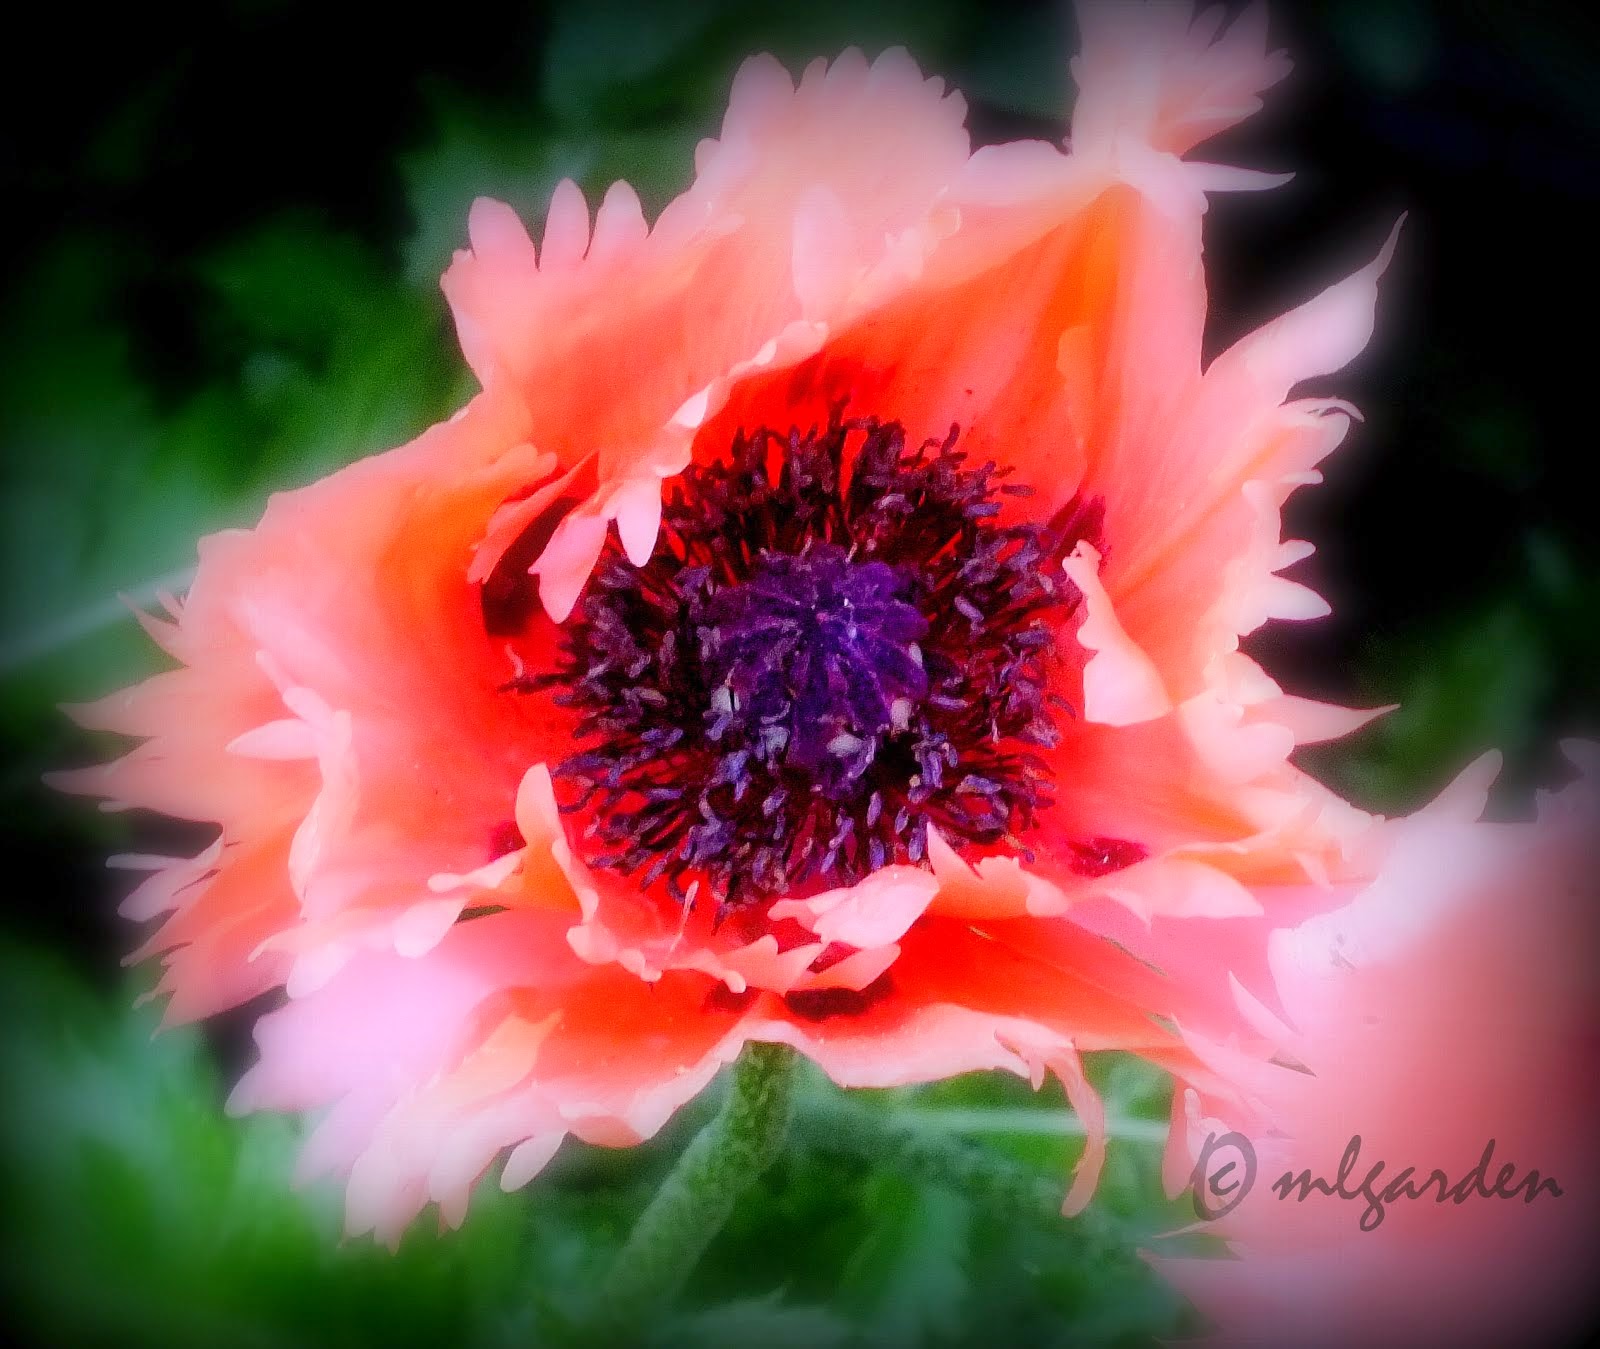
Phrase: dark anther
x=836 y=645
x=1102 y=856
x=503 y=838
x=820 y=1004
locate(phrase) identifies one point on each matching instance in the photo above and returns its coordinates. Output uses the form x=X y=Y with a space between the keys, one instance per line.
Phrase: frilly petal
x=819 y=200
x=1121 y=684
x=619 y=925
x=1320 y=337
x=991 y=887
x=430 y=1073
x=1480 y=933
x=1156 y=74
x=872 y=913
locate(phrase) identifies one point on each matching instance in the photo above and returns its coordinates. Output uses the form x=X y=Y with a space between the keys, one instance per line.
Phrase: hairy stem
x=694 y=1201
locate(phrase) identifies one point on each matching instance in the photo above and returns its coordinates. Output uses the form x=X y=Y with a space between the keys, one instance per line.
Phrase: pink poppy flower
x=836 y=587
x=1448 y=1019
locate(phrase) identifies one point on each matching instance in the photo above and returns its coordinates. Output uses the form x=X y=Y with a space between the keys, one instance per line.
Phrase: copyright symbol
x=1223 y=1174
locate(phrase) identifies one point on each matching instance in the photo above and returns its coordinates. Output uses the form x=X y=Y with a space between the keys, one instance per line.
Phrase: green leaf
x=908 y=1277
x=138 y=1213
x=765 y=1321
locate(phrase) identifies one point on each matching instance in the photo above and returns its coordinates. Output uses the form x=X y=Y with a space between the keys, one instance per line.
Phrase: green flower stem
x=694 y=1201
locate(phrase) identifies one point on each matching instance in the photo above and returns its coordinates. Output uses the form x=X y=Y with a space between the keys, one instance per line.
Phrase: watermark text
x=1225 y=1172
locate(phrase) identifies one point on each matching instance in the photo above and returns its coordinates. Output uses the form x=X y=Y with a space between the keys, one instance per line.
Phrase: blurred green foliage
x=135 y=1211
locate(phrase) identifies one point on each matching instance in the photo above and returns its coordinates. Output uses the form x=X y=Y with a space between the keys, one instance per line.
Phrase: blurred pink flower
x=1454 y=1002
x=932 y=644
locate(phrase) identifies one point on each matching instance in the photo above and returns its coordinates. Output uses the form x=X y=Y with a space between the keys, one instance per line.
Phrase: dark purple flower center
x=819 y=654
x=835 y=646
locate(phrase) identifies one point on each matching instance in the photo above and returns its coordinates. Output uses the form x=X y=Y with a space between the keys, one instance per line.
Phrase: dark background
x=225 y=230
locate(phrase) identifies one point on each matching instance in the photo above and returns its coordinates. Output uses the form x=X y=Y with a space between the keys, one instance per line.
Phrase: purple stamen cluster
x=835 y=646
